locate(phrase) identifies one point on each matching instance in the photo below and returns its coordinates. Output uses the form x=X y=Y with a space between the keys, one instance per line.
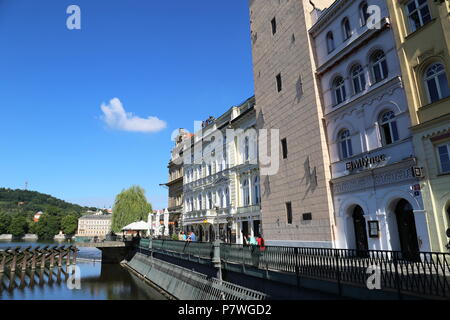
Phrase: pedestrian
x=252 y=240
x=260 y=241
x=181 y=236
x=192 y=237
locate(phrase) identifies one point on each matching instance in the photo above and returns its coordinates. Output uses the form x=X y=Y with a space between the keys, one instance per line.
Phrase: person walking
x=252 y=240
x=192 y=237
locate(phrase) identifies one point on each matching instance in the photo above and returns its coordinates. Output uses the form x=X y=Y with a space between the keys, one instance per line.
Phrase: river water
x=97 y=281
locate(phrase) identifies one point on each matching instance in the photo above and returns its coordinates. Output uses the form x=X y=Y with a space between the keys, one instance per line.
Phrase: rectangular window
x=284 y=148
x=444 y=157
x=289 y=212
x=279 y=83
x=274 y=25
x=418 y=13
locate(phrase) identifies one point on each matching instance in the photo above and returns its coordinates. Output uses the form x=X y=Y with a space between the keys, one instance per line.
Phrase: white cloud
x=115 y=116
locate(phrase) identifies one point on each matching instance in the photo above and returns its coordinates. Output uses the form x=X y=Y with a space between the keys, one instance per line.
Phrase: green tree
x=69 y=224
x=18 y=226
x=130 y=205
x=5 y=221
x=48 y=226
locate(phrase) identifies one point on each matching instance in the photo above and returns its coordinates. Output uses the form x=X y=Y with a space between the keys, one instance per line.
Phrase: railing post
x=397 y=276
x=338 y=271
x=297 y=268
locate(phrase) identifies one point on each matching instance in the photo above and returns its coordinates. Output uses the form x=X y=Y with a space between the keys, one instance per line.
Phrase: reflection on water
x=98 y=282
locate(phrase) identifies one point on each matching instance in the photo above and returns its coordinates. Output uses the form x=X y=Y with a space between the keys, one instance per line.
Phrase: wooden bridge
x=15 y=258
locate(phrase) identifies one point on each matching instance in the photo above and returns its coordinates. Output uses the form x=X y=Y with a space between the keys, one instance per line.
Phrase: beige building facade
x=422 y=35
x=296 y=202
x=94 y=225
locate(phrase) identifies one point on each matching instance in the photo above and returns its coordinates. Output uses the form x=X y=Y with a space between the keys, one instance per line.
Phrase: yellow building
x=422 y=34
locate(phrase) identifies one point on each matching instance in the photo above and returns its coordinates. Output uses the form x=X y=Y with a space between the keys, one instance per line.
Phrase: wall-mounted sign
x=374 y=229
x=365 y=162
x=417 y=172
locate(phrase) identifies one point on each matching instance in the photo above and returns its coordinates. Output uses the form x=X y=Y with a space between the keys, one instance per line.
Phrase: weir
x=18 y=258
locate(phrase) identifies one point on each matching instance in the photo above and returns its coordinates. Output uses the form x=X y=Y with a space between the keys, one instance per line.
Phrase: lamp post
x=216 y=245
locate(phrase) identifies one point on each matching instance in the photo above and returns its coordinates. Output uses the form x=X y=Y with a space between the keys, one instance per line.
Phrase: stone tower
x=287 y=99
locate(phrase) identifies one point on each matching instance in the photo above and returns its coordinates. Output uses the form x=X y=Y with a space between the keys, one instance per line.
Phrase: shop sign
x=365 y=162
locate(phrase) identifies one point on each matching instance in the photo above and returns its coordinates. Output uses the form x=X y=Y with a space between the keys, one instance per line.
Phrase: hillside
x=29 y=202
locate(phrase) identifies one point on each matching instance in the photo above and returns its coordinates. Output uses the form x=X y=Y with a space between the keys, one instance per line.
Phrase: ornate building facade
x=376 y=194
x=221 y=181
x=422 y=36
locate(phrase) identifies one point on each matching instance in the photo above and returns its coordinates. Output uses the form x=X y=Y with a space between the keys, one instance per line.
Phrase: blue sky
x=175 y=61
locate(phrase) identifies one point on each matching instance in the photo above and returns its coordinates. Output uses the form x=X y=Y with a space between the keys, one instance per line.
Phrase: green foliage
x=130 y=206
x=5 y=221
x=18 y=226
x=25 y=204
x=48 y=226
x=69 y=224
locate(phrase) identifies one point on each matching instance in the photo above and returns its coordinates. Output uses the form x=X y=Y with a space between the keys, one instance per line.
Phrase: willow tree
x=130 y=205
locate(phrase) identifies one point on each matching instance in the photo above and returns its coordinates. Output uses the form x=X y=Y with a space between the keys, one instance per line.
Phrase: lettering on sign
x=365 y=162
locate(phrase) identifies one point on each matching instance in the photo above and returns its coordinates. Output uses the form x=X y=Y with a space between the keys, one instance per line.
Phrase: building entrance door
x=359 y=223
x=407 y=232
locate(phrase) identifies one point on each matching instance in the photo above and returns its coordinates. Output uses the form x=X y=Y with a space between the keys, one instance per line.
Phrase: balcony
x=249 y=209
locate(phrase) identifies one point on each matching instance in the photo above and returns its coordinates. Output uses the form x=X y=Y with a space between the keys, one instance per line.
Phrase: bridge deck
x=105 y=244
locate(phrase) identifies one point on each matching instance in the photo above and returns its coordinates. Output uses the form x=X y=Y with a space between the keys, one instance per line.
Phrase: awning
x=136 y=226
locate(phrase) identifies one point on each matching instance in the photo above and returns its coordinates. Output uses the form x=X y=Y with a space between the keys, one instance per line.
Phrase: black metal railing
x=426 y=273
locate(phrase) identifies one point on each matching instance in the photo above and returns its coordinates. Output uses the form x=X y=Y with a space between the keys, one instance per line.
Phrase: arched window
x=246 y=149
x=346 y=29
x=330 y=41
x=436 y=82
x=388 y=125
x=256 y=193
x=245 y=193
x=363 y=13
x=358 y=79
x=379 y=66
x=339 y=90
x=345 y=143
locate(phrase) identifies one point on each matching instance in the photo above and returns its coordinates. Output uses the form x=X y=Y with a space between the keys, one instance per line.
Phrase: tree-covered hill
x=18 y=207
x=24 y=201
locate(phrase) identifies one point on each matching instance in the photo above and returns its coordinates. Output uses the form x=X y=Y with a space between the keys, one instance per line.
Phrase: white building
x=221 y=177
x=158 y=221
x=367 y=123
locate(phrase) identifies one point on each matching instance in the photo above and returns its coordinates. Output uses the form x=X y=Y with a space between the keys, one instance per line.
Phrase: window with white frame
x=379 y=66
x=256 y=191
x=210 y=201
x=345 y=143
x=330 y=42
x=346 y=29
x=388 y=126
x=444 y=157
x=339 y=90
x=245 y=193
x=246 y=149
x=200 y=205
x=436 y=82
x=418 y=13
x=221 y=198
x=358 y=79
